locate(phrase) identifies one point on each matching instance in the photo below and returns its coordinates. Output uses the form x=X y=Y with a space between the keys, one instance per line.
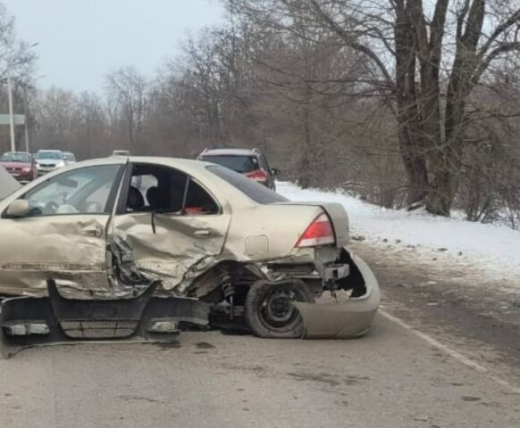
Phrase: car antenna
x=153 y=222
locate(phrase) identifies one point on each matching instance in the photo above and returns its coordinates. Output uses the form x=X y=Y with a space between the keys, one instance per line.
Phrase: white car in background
x=48 y=161
x=124 y=153
x=69 y=158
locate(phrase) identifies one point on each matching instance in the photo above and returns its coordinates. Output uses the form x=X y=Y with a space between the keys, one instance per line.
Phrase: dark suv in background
x=250 y=162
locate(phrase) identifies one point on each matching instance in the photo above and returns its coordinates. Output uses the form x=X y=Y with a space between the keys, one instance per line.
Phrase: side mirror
x=275 y=171
x=18 y=208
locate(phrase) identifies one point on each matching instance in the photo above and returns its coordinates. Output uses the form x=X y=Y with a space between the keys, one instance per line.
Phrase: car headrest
x=135 y=199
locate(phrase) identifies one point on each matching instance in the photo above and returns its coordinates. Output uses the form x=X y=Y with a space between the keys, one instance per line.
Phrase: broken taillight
x=257 y=175
x=319 y=232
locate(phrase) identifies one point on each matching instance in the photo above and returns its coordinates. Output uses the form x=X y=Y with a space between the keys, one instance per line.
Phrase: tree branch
x=506 y=47
x=514 y=18
x=353 y=44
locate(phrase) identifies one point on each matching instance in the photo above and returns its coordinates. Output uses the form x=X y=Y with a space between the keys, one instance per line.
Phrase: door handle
x=95 y=231
x=202 y=233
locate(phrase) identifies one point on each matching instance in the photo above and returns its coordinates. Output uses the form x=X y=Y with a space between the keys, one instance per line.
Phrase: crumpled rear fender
x=342 y=317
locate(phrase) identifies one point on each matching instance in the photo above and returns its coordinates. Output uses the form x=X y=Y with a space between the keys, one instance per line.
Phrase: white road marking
x=451 y=352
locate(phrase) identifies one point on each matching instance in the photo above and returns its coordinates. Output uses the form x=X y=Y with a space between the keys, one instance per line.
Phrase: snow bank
x=492 y=248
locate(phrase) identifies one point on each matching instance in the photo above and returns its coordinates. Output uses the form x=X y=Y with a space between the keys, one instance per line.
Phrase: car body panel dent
x=65 y=251
x=172 y=246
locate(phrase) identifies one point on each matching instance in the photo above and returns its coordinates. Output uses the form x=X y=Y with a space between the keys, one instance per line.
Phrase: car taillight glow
x=319 y=232
x=257 y=175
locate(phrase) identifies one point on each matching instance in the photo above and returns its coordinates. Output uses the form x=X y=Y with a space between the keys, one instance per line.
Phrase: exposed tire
x=269 y=311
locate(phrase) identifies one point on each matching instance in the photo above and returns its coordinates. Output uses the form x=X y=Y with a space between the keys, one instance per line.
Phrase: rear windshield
x=250 y=188
x=242 y=164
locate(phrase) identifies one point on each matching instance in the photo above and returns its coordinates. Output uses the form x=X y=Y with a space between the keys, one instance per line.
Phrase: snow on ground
x=481 y=250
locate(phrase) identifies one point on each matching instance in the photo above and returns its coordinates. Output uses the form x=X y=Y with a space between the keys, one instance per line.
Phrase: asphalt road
x=436 y=358
x=391 y=378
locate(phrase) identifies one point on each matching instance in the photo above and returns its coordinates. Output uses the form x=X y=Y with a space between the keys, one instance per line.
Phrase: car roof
x=190 y=166
x=46 y=151
x=161 y=160
x=230 y=152
x=174 y=162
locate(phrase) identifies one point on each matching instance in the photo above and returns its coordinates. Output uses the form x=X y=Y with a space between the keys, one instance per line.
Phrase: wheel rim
x=277 y=310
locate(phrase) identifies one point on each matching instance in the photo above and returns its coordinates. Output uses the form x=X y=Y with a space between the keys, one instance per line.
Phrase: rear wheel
x=270 y=312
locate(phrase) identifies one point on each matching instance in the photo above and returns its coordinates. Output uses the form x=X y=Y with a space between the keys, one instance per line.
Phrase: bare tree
x=56 y=119
x=16 y=60
x=414 y=56
x=402 y=102
x=126 y=91
x=91 y=137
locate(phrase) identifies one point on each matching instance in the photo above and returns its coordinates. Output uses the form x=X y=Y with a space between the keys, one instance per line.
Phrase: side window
x=251 y=189
x=166 y=190
x=155 y=188
x=198 y=201
x=265 y=163
x=82 y=191
x=98 y=198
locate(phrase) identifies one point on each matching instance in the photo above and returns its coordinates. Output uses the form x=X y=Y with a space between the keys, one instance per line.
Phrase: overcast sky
x=82 y=40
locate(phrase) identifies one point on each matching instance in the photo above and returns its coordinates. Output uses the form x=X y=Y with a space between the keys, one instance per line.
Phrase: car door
x=174 y=226
x=63 y=236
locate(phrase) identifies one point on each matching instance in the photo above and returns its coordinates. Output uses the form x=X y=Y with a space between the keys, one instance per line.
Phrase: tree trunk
x=444 y=167
x=409 y=134
x=306 y=156
x=412 y=156
x=445 y=162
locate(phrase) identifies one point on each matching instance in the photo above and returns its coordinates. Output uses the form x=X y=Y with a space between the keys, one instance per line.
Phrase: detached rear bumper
x=342 y=317
x=32 y=321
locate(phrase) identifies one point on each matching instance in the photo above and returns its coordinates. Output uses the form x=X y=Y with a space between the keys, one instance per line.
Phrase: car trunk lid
x=337 y=215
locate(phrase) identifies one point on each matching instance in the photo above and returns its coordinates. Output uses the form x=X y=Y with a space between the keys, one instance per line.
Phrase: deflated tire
x=269 y=309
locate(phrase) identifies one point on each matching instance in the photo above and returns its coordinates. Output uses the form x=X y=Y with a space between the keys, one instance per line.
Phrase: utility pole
x=26 y=126
x=11 y=114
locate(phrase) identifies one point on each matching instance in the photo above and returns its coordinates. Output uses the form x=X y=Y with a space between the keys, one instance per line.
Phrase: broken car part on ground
x=106 y=230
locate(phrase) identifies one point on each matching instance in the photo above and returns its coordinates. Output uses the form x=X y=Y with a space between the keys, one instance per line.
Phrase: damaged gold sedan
x=193 y=238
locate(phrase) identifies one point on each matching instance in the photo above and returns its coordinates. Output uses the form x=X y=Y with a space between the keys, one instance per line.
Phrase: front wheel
x=269 y=308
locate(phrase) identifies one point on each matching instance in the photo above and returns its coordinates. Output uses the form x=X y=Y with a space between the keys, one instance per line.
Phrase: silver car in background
x=48 y=161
